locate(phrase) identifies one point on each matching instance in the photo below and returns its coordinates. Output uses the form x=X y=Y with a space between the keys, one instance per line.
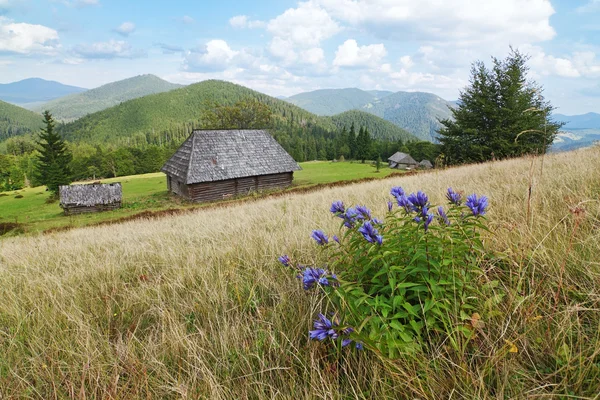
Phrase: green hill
x=17 y=121
x=378 y=127
x=332 y=101
x=417 y=112
x=75 y=106
x=34 y=90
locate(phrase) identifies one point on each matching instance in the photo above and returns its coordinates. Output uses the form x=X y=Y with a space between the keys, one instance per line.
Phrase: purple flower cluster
x=337 y=207
x=328 y=329
x=370 y=233
x=285 y=260
x=477 y=205
x=442 y=216
x=320 y=237
x=316 y=276
x=453 y=197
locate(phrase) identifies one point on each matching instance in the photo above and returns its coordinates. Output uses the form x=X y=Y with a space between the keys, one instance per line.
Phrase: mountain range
x=75 y=106
x=35 y=90
x=16 y=121
x=416 y=112
x=579 y=131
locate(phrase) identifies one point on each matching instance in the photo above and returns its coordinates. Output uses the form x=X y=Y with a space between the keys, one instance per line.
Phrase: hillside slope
x=35 y=90
x=417 y=112
x=180 y=110
x=332 y=101
x=75 y=106
x=16 y=121
x=379 y=128
x=590 y=120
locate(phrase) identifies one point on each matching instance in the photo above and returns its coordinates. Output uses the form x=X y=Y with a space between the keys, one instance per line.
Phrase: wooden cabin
x=89 y=198
x=402 y=161
x=220 y=164
x=425 y=164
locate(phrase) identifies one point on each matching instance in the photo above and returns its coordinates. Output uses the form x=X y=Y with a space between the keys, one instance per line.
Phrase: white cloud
x=107 y=50
x=312 y=56
x=459 y=22
x=591 y=6
x=578 y=64
x=216 y=55
x=305 y=26
x=125 y=29
x=23 y=38
x=406 y=62
x=242 y=21
x=350 y=54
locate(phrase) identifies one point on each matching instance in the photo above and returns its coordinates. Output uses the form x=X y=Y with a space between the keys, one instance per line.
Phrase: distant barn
x=425 y=164
x=218 y=164
x=88 y=198
x=402 y=161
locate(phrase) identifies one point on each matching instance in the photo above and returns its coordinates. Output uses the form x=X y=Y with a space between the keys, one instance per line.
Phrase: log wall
x=219 y=190
x=78 y=209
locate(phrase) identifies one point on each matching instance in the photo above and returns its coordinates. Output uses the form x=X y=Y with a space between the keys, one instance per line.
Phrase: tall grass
x=196 y=306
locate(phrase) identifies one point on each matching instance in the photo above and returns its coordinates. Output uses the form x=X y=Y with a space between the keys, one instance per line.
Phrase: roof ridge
x=187 y=172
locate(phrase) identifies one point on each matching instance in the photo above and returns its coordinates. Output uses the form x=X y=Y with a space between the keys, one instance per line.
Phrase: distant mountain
x=377 y=127
x=75 y=106
x=332 y=101
x=590 y=120
x=416 y=112
x=35 y=90
x=16 y=121
x=176 y=112
x=380 y=94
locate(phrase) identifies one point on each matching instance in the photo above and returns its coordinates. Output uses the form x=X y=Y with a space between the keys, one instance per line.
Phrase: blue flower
x=320 y=237
x=419 y=202
x=390 y=206
x=337 y=207
x=377 y=221
x=404 y=202
x=285 y=260
x=313 y=276
x=363 y=212
x=397 y=191
x=453 y=197
x=350 y=217
x=477 y=205
x=337 y=239
x=324 y=328
x=359 y=345
x=442 y=216
x=370 y=233
x=428 y=220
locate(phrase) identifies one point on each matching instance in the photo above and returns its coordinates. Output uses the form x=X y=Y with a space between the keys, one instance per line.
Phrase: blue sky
x=285 y=47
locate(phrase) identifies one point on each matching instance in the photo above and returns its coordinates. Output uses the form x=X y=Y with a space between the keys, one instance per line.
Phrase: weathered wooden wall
x=219 y=190
x=79 y=209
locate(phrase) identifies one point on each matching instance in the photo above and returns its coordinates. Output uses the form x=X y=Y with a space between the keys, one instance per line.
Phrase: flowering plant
x=399 y=280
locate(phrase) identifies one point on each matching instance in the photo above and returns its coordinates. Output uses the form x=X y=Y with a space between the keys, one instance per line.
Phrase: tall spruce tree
x=501 y=114
x=53 y=162
x=352 y=142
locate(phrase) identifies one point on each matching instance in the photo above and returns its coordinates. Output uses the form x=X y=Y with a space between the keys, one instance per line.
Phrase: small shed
x=402 y=161
x=89 y=198
x=219 y=164
x=425 y=164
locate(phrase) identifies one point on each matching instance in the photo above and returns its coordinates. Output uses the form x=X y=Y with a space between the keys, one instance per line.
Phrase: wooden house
x=219 y=164
x=88 y=198
x=402 y=161
x=425 y=164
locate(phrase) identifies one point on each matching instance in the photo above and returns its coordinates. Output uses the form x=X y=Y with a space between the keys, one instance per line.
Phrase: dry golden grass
x=196 y=306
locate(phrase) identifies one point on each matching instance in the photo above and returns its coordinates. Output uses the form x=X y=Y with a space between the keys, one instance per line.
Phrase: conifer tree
x=53 y=162
x=352 y=142
x=501 y=114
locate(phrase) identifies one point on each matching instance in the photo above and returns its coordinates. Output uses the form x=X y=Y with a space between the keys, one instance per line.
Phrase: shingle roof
x=402 y=158
x=90 y=195
x=426 y=164
x=217 y=155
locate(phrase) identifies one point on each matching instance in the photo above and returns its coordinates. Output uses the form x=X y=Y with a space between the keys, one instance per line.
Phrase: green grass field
x=148 y=193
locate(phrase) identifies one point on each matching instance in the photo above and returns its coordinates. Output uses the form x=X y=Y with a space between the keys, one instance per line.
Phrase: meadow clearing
x=197 y=306
x=148 y=192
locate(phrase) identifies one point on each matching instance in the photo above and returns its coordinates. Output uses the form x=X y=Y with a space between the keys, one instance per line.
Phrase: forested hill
x=378 y=127
x=332 y=101
x=35 y=90
x=17 y=121
x=172 y=115
x=75 y=106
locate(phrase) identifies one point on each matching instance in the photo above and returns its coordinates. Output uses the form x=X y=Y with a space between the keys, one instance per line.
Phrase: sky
x=285 y=47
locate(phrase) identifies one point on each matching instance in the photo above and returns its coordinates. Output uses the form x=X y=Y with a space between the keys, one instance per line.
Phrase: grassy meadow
x=197 y=306
x=148 y=192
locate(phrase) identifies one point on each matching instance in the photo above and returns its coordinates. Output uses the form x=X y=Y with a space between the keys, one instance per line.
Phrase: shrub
x=395 y=284
x=19 y=196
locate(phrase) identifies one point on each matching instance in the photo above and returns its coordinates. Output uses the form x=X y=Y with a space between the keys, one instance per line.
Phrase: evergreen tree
x=501 y=114
x=352 y=142
x=53 y=162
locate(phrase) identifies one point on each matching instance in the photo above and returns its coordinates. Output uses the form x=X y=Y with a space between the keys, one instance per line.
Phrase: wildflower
x=350 y=217
x=285 y=260
x=377 y=221
x=363 y=212
x=428 y=220
x=320 y=237
x=442 y=216
x=404 y=202
x=315 y=276
x=419 y=202
x=477 y=205
x=324 y=328
x=359 y=345
x=397 y=191
x=337 y=207
x=453 y=197
x=370 y=233
x=390 y=206
x=336 y=238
